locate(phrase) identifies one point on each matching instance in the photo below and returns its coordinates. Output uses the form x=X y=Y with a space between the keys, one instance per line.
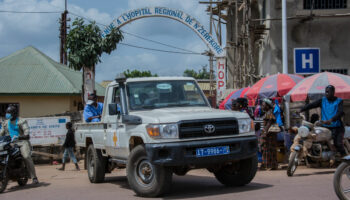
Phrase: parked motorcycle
x=341 y=180
x=12 y=166
x=314 y=144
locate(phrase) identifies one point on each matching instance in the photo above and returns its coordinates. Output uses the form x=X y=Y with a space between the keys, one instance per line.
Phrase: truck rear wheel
x=238 y=174
x=144 y=178
x=95 y=165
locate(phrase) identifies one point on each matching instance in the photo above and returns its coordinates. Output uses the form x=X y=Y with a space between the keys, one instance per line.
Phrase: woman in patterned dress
x=269 y=139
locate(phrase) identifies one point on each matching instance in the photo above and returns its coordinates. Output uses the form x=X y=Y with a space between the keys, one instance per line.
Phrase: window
x=339 y=71
x=263 y=10
x=325 y=4
x=116 y=96
x=164 y=94
x=191 y=92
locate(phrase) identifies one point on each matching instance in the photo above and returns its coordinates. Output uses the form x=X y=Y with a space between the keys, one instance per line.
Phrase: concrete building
x=39 y=85
x=323 y=25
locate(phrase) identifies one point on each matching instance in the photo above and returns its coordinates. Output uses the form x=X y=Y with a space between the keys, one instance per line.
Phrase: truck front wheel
x=96 y=164
x=238 y=174
x=144 y=178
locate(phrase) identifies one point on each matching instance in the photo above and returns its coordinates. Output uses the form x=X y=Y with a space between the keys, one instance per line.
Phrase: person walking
x=69 y=145
x=18 y=130
x=331 y=113
x=269 y=137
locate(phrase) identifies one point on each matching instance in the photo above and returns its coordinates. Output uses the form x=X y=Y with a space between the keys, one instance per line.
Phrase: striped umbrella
x=276 y=85
x=227 y=103
x=313 y=87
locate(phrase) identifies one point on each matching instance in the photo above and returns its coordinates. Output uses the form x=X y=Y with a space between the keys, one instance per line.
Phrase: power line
x=89 y=19
x=304 y=17
x=168 y=45
x=29 y=12
x=159 y=50
x=137 y=36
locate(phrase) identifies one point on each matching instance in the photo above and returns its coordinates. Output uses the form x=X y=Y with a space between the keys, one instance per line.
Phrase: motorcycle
x=12 y=165
x=312 y=143
x=341 y=179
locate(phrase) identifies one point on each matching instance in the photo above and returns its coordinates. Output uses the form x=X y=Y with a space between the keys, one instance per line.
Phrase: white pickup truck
x=163 y=125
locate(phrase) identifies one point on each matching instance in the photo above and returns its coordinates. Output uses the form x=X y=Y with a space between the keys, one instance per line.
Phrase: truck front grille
x=195 y=128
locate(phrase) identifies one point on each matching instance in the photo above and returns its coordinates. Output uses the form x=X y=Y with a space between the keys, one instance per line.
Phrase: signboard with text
x=220 y=76
x=178 y=15
x=47 y=130
x=306 y=60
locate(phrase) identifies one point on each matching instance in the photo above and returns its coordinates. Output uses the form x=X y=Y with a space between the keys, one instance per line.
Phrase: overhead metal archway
x=187 y=20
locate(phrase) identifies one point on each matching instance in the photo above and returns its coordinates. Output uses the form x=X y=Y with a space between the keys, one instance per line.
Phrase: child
x=69 y=145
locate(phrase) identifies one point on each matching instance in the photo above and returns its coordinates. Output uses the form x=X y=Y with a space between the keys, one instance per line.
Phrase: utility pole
x=63 y=35
x=284 y=38
x=211 y=58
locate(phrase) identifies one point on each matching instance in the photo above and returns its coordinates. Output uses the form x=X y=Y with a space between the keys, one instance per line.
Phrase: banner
x=220 y=77
x=48 y=130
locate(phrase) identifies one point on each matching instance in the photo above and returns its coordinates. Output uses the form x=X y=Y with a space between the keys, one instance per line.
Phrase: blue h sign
x=306 y=60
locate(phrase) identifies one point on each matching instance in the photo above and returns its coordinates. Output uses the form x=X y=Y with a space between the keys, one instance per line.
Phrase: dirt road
x=198 y=184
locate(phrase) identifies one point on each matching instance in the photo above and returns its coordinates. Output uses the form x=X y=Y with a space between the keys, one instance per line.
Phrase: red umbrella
x=313 y=87
x=276 y=85
x=227 y=103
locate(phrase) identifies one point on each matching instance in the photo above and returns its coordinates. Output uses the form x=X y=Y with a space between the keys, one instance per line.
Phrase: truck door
x=114 y=129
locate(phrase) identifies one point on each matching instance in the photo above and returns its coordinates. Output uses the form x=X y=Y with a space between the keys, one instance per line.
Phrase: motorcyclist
x=331 y=113
x=18 y=130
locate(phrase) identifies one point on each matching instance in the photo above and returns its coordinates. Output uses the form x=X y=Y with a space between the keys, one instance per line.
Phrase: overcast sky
x=18 y=31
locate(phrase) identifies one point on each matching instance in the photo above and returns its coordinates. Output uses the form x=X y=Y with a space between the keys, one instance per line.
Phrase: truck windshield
x=161 y=94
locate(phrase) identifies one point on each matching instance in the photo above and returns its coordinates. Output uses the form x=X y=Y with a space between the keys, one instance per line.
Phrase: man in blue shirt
x=331 y=113
x=93 y=109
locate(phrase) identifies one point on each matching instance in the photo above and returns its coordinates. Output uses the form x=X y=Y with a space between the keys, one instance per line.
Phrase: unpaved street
x=199 y=184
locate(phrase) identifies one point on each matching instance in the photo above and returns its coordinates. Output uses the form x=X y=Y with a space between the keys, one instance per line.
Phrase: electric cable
x=29 y=12
x=159 y=50
x=168 y=45
x=125 y=44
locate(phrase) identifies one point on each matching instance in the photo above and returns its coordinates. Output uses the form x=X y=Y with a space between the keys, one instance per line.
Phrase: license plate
x=212 y=151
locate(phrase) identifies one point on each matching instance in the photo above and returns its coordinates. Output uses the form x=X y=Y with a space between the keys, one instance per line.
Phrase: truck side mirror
x=113 y=109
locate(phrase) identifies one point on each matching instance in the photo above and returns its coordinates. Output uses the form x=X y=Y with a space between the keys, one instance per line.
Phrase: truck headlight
x=245 y=125
x=163 y=131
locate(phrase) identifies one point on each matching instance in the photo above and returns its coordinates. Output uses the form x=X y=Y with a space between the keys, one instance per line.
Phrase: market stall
x=313 y=88
x=227 y=103
x=272 y=87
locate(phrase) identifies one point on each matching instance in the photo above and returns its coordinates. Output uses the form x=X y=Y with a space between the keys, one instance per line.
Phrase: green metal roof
x=29 y=71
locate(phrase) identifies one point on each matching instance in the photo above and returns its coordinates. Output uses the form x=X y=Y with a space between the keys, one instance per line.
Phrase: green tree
x=201 y=74
x=85 y=46
x=136 y=73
